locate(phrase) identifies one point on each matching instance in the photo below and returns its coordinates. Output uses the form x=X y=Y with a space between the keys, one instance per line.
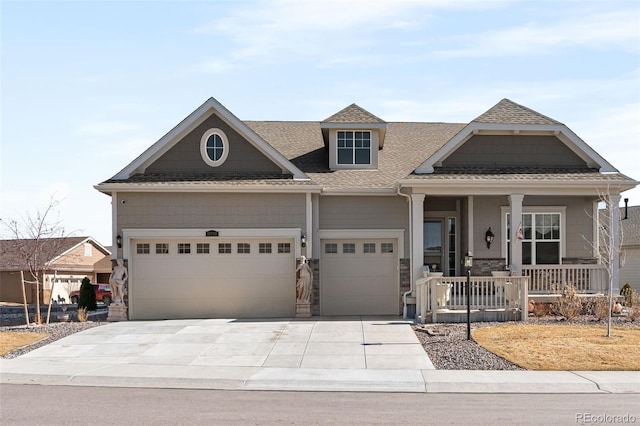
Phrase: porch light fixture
x=119 y=241
x=468 y=260
x=468 y=263
x=488 y=237
x=303 y=240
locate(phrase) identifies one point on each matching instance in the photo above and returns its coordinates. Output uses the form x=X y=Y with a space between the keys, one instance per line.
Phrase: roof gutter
x=406 y=294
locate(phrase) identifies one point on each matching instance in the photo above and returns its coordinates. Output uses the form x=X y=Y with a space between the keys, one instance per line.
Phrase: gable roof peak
x=508 y=112
x=353 y=114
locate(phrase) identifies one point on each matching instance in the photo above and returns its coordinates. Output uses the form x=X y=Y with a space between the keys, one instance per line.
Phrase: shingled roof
x=353 y=114
x=407 y=145
x=508 y=112
x=53 y=247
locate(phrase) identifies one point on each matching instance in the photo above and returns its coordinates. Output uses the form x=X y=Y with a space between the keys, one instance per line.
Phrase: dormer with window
x=353 y=137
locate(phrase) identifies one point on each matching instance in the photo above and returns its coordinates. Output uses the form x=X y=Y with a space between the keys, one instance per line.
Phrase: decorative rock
x=617 y=308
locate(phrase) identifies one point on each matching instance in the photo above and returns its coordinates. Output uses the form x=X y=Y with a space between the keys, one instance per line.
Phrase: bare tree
x=38 y=240
x=609 y=247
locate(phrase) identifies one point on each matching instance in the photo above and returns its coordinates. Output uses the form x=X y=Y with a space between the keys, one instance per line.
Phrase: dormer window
x=354 y=147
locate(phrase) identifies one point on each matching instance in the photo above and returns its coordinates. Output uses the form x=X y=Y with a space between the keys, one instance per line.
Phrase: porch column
x=614 y=241
x=515 y=201
x=417 y=226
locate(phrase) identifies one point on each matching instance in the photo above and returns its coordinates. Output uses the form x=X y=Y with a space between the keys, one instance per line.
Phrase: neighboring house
x=70 y=258
x=630 y=270
x=212 y=218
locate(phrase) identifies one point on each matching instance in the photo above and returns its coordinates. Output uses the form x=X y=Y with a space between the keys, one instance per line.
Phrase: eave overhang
x=109 y=188
x=504 y=186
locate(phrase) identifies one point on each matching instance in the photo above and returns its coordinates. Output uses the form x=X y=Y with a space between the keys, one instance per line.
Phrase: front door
x=434 y=249
x=441 y=245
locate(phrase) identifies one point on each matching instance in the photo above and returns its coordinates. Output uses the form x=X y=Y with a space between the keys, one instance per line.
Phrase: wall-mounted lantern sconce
x=488 y=237
x=303 y=240
x=119 y=241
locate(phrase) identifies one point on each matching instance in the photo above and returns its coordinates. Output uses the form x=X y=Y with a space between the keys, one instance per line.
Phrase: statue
x=117 y=279
x=304 y=282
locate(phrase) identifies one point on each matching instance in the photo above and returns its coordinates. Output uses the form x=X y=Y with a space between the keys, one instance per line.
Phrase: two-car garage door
x=212 y=278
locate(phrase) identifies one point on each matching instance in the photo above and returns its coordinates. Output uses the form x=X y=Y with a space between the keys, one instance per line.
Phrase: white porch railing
x=441 y=294
x=549 y=279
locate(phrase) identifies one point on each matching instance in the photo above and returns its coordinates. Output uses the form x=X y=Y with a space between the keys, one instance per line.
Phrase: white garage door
x=212 y=278
x=359 y=277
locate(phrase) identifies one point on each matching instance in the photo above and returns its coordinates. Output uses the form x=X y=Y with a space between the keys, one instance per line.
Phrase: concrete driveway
x=352 y=343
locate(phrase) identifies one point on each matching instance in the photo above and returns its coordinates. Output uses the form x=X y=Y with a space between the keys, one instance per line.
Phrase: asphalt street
x=76 y=405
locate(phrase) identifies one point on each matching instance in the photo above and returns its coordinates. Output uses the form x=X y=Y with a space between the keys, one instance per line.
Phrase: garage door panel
x=359 y=277
x=213 y=285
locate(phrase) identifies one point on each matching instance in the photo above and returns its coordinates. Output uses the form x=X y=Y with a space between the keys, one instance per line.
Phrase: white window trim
x=203 y=147
x=353 y=163
x=562 y=210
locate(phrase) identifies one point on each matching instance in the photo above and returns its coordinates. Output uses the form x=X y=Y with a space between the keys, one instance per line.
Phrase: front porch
x=505 y=298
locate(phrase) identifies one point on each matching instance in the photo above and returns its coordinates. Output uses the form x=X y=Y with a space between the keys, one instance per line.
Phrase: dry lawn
x=548 y=347
x=13 y=341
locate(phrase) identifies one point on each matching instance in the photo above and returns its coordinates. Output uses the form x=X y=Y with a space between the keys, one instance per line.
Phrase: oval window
x=214 y=147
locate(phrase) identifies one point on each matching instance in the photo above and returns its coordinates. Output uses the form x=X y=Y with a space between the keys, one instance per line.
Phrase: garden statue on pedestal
x=303 y=289
x=305 y=279
x=117 y=279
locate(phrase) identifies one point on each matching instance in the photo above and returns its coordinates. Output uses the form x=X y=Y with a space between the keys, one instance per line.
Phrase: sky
x=87 y=86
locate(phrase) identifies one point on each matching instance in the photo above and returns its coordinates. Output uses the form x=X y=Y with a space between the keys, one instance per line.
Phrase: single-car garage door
x=359 y=277
x=212 y=278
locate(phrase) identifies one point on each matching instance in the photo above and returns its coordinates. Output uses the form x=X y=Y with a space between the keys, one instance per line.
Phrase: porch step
x=457 y=316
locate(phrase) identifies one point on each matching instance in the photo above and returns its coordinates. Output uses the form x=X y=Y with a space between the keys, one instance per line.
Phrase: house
x=630 y=225
x=70 y=259
x=212 y=218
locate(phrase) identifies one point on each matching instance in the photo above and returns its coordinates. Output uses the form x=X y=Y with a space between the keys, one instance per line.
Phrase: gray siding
x=185 y=155
x=202 y=210
x=364 y=212
x=579 y=224
x=514 y=150
x=630 y=271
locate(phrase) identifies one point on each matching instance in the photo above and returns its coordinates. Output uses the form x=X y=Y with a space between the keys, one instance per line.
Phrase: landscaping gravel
x=449 y=349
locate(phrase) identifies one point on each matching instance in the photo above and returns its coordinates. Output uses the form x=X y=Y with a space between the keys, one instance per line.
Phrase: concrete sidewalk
x=350 y=354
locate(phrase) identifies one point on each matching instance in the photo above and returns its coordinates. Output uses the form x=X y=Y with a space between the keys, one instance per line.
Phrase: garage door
x=359 y=277
x=201 y=278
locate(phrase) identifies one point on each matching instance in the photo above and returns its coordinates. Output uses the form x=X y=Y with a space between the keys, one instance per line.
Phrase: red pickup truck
x=103 y=294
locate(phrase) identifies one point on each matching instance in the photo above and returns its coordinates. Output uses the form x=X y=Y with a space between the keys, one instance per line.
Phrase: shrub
x=541 y=309
x=633 y=311
x=627 y=292
x=568 y=305
x=87 y=298
x=600 y=308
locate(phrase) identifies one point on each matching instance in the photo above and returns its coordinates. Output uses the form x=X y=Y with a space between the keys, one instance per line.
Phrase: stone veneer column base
x=117 y=312
x=303 y=310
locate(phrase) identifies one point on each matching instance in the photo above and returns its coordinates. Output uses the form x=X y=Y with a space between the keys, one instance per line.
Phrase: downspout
x=406 y=294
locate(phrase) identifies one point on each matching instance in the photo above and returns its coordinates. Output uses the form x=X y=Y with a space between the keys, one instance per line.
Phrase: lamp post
x=468 y=262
